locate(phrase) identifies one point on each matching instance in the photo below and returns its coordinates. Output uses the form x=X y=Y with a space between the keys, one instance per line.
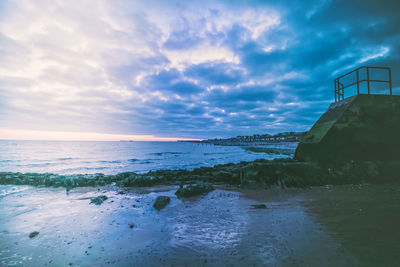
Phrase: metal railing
x=339 y=86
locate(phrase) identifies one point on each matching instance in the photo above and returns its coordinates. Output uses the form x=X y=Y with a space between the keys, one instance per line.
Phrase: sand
x=321 y=226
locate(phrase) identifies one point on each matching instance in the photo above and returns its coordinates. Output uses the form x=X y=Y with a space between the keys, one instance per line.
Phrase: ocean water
x=86 y=157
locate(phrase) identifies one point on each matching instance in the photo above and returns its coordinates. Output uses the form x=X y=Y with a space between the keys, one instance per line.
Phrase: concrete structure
x=361 y=127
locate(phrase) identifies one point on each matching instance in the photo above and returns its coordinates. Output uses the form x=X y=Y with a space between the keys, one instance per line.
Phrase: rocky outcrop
x=264 y=173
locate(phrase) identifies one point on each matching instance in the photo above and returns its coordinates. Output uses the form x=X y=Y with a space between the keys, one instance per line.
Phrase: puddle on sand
x=220 y=228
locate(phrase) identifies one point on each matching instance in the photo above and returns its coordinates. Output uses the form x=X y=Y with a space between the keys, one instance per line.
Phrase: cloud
x=216 y=73
x=197 y=69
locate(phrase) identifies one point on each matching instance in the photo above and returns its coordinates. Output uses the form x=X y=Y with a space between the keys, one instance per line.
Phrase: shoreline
x=259 y=173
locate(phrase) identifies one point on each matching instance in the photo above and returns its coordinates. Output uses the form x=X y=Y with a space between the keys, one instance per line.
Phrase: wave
x=9 y=160
x=62 y=159
x=143 y=161
x=156 y=153
x=146 y=162
x=166 y=153
x=110 y=161
x=35 y=165
x=11 y=189
x=84 y=169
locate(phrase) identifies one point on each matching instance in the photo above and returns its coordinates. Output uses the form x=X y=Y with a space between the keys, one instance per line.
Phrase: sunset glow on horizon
x=9 y=134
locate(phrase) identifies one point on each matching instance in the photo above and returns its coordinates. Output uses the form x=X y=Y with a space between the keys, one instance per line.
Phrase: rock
x=161 y=202
x=194 y=190
x=33 y=234
x=259 y=206
x=98 y=200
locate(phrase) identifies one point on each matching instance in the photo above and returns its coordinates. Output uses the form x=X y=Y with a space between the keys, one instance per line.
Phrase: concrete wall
x=362 y=127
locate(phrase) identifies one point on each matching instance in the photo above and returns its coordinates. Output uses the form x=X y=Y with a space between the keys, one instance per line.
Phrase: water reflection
x=218 y=229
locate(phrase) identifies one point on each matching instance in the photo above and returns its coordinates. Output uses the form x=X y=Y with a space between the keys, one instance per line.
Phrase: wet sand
x=321 y=226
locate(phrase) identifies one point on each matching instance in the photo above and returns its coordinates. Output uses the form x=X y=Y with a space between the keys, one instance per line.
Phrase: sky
x=167 y=70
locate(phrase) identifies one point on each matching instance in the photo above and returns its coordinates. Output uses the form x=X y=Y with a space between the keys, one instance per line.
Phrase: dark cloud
x=171 y=82
x=216 y=73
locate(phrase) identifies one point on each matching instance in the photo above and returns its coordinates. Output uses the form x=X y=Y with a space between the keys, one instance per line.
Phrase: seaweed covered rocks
x=194 y=190
x=161 y=202
x=98 y=200
x=253 y=174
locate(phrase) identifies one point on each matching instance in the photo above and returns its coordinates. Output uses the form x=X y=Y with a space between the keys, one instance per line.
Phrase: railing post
x=335 y=91
x=390 y=80
x=358 y=85
x=339 y=87
x=368 y=80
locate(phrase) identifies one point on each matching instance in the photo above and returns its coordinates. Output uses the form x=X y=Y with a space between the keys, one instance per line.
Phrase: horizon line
x=37 y=135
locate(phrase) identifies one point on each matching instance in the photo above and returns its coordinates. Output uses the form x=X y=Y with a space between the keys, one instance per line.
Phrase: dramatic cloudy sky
x=198 y=69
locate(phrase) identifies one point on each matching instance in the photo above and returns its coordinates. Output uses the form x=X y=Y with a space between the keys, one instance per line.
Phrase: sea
x=113 y=157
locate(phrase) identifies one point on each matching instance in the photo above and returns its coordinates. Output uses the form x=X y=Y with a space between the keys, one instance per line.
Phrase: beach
x=278 y=212
x=299 y=227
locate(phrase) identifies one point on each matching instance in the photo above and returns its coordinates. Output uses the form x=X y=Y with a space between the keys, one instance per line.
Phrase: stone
x=98 y=200
x=259 y=206
x=33 y=234
x=161 y=202
x=194 y=190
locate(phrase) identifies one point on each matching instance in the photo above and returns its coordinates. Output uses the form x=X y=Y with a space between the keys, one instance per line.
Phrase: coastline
x=265 y=212
x=259 y=173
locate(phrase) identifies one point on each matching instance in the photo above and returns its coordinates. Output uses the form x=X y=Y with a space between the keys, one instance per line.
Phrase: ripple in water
x=73 y=157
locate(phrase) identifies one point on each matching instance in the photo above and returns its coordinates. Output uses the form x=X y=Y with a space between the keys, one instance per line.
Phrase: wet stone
x=194 y=190
x=161 y=202
x=33 y=234
x=98 y=200
x=259 y=206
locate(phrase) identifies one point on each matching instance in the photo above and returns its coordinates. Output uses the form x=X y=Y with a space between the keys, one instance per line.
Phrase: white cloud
x=180 y=59
x=77 y=65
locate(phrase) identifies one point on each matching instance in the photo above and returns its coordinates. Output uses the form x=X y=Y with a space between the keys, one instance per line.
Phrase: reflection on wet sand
x=221 y=228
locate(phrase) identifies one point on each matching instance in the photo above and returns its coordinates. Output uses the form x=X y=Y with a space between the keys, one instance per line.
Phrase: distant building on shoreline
x=257 y=139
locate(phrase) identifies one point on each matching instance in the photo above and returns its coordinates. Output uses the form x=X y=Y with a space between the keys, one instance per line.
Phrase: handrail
x=339 y=87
